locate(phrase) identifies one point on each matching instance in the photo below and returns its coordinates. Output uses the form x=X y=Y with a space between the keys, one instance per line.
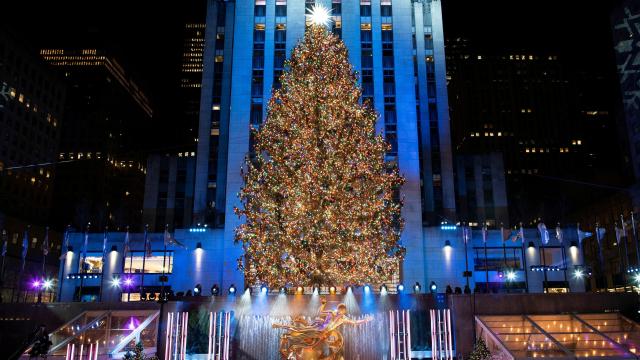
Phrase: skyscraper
x=31 y=108
x=550 y=121
x=191 y=81
x=107 y=113
x=398 y=49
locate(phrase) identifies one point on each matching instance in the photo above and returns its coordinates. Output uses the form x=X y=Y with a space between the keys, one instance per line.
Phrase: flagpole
x=486 y=265
x=466 y=232
x=504 y=247
x=144 y=259
x=600 y=253
x=84 y=257
x=544 y=262
x=65 y=247
x=104 y=258
x=635 y=239
x=164 y=259
x=127 y=251
x=524 y=263
x=4 y=254
x=45 y=251
x=25 y=247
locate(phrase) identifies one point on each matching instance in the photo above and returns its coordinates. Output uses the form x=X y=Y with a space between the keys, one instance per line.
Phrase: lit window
x=93 y=263
x=152 y=264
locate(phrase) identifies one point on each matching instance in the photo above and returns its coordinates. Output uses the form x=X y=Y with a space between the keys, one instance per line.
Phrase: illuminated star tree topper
x=320 y=15
x=319 y=203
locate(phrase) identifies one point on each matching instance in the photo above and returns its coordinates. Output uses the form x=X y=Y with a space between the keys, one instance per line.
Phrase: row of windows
x=134 y=263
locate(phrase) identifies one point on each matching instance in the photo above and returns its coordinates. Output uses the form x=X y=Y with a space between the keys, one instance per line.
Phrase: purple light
x=36 y=284
x=132 y=324
x=128 y=282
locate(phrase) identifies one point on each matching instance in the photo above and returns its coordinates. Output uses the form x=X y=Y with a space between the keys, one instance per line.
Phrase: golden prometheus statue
x=318 y=340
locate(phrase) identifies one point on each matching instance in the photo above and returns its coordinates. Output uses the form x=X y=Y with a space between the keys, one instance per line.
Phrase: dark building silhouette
x=31 y=112
x=552 y=123
x=107 y=114
x=31 y=107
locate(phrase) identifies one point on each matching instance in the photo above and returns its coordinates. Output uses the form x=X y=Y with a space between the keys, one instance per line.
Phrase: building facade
x=107 y=114
x=481 y=191
x=191 y=65
x=168 y=193
x=549 y=118
x=494 y=265
x=31 y=108
x=398 y=49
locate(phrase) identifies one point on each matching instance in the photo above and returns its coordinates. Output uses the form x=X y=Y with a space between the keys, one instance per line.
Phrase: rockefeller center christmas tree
x=319 y=203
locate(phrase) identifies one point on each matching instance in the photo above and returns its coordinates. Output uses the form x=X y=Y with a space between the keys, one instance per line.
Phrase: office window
x=280 y=36
x=92 y=263
x=281 y=10
x=365 y=10
x=260 y=10
x=152 y=264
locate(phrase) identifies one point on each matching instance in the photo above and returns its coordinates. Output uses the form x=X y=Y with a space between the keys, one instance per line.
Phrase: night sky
x=147 y=35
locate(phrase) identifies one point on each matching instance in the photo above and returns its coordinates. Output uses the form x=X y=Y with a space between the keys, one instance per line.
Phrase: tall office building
x=398 y=49
x=31 y=115
x=551 y=122
x=31 y=107
x=191 y=81
x=102 y=181
x=626 y=38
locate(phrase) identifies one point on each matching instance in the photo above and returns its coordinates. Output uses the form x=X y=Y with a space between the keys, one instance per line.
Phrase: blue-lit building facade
x=397 y=47
x=495 y=266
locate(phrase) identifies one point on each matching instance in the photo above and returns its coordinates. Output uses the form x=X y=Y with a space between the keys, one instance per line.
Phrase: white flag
x=559 y=234
x=544 y=233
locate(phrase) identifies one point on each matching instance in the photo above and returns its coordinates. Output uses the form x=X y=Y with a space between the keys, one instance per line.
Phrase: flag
x=5 y=243
x=583 y=235
x=84 y=250
x=466 y=234
x=169 y=240
x=519 y=235
x=147 y=243
x=600 y=231
x=126 y=249
x=559 y=234
x=45 y=243
x=620 y=233
x=485 y=233
x=25 y=246
x=506 y=234
x=544 y=233
x=104 y=245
